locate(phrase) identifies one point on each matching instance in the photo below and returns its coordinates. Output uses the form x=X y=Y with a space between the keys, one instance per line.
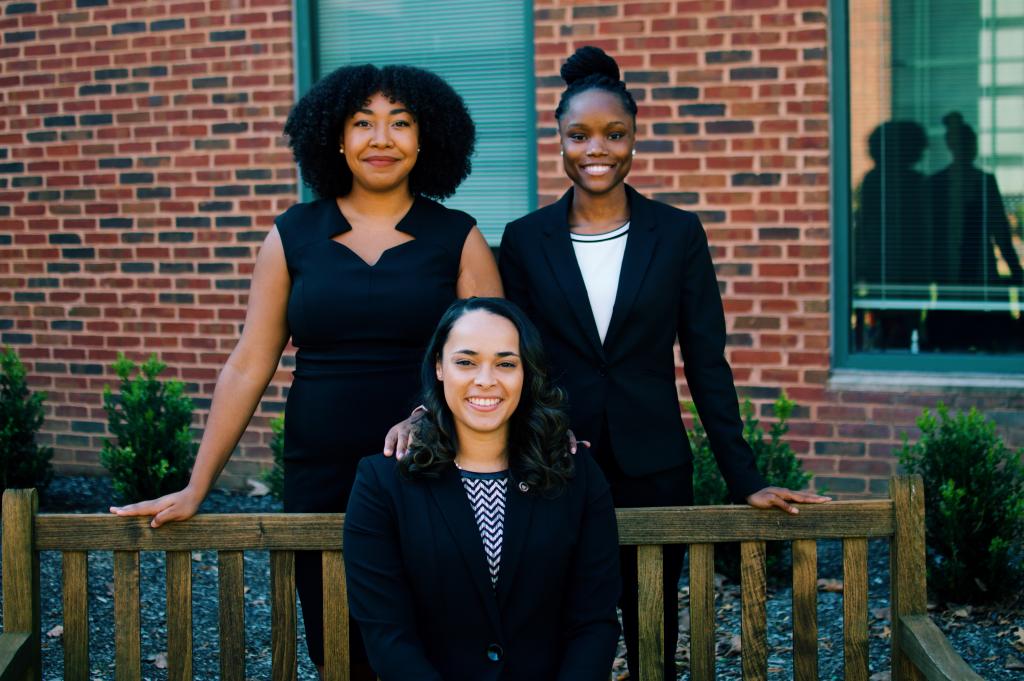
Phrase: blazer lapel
x=560 y=255
x=518 y=513
x=640 y=245
x=451 y=497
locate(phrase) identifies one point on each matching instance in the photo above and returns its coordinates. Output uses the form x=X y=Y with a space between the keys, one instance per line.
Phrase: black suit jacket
x=667 y=288
x=419 y=586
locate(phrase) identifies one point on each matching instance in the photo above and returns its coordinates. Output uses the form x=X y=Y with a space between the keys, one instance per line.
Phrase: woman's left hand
x=779 y=497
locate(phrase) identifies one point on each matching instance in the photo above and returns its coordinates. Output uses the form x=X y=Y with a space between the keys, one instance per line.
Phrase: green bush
x=974 y=502
x=775 y=460
x=152 y=422
x=274 y=477
x=23 y=463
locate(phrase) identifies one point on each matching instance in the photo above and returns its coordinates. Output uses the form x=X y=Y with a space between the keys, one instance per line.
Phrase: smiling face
x=482 y=372
x=381 y=144
x=598 y=135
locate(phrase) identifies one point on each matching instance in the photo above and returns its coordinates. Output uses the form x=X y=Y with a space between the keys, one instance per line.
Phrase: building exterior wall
x=141 y=164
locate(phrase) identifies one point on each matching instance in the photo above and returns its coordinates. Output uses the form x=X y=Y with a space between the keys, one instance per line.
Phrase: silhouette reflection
x=934 y=263
x=970 y=219
x=891 y=222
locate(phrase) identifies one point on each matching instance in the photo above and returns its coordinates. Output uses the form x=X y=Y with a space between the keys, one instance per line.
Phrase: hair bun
x=954 y=119
x=587 y=61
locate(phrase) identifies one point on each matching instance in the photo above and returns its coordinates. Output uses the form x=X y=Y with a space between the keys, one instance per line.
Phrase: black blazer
x=667 y=288
x=419 y=586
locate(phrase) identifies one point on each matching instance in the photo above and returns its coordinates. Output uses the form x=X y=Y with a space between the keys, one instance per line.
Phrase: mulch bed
x=990 y=639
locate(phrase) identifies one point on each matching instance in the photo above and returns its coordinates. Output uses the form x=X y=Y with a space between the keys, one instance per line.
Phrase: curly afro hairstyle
x=446 y=131
x=590 y=68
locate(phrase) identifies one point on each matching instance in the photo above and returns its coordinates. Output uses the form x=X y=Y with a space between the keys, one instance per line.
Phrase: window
x=483 y=49
x=929 y=184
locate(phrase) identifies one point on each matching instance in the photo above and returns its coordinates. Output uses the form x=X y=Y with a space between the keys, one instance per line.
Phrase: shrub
x=23 y=463
x=152 y=421
x=974 y=500
x=274 y=477
x=775 y=460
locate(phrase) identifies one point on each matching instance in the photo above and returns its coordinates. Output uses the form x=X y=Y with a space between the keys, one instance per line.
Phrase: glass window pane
x=937 y=169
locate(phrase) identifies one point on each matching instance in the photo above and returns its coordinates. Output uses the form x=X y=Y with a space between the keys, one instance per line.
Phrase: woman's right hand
x=400 y=437
x=170 y=507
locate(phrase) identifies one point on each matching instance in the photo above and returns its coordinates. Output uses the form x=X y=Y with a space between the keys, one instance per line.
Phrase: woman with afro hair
x=357 y=280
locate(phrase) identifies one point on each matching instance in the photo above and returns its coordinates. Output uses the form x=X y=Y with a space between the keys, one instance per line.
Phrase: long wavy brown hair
x=538 y=429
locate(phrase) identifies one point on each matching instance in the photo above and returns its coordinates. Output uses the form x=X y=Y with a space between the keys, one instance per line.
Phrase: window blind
x=485 y=51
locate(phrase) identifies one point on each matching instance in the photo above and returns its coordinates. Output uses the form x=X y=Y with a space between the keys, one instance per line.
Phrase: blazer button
x=603 y=370
x=494 y=652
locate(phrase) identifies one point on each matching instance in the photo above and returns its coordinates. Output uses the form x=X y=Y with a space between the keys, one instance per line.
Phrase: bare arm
x=478 y=273
x=239 y=388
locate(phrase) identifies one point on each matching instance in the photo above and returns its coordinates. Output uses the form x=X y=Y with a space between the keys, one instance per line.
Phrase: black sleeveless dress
x=360 y=334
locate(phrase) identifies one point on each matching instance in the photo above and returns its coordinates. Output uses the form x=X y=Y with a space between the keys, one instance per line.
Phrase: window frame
x=839 y=188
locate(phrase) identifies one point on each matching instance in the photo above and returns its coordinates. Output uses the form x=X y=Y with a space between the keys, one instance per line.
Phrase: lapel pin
x=524 y=488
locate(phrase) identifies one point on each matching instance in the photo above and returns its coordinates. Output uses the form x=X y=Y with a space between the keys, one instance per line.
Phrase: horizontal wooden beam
x=208 y=531
x=716 y=524
x=15 y=655
x=322 y=532
x=930 y=651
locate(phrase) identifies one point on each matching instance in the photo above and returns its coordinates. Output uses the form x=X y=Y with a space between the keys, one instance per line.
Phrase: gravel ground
x=991 y=640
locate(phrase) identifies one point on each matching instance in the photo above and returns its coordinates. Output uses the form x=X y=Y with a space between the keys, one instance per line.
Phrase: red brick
x=866 y=467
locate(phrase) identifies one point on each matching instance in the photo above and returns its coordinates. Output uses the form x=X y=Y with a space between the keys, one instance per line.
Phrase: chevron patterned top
x=486 y=492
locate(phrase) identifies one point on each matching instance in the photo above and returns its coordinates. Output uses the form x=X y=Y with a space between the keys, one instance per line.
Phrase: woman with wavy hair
x=488 y=551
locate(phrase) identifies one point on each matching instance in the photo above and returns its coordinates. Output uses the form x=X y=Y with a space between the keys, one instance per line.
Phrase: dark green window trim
x=842 y=358
x=303 y=38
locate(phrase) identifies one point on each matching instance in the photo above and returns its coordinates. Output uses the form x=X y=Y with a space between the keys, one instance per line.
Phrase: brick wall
x=141 y=164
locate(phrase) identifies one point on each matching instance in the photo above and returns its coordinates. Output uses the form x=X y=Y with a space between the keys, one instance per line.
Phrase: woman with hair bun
x=612 y=279
x=357 y=279
x=488 y=552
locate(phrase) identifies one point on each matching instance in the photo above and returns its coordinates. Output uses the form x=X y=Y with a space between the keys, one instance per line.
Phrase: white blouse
x=600 y=260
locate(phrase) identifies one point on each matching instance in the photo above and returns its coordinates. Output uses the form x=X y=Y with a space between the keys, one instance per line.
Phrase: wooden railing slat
x=336 y=632
x=907 y=568
x=179 y=615
x=21 y=575
x=753 y=613
x=75 y=567
x=315 y=532
x=855 y=609
x=283 y=615
x=702 y=612
x=805 y=610
x=127 y=652
x=651 y=606
x=231 y=591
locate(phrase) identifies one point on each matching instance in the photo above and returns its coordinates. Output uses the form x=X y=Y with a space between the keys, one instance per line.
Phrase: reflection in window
x=937 y=163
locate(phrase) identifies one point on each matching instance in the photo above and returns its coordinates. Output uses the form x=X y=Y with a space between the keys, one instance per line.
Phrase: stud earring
x=634 y=152
x=341 y=150
x=561 y=152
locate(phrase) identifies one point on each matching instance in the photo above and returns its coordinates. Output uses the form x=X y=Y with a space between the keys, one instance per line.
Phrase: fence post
x=651 y=608
x=907 y=566
x=21 y=572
